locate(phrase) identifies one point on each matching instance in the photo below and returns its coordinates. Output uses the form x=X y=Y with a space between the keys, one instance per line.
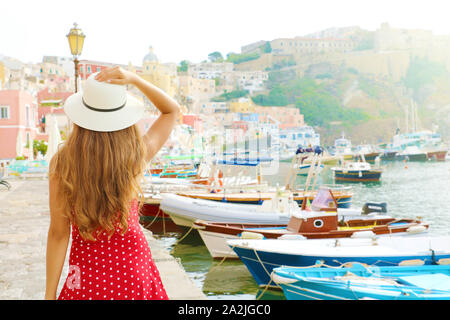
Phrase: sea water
x=412 y=189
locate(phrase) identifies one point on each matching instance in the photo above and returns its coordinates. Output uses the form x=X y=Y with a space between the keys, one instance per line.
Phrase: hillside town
x=216 y=94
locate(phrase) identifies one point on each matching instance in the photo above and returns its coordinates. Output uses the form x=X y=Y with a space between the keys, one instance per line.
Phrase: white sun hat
x=102 y=106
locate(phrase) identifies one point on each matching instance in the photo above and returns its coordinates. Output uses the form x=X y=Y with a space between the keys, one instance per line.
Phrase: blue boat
x=425 y=282
x=262 y=256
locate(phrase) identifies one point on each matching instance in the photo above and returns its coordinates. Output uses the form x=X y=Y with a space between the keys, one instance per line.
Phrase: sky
x=122 y=31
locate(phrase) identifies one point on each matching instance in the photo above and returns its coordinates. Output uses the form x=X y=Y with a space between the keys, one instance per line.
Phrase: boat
x=360 y=171
x=356 y=281
x=343 y=148
x=262 y=256
x=370 y=153
x=412 y=153
x=154 y=219
x=343 y=195
x=215 y=234
x=324 y=222
x=185 y=210
x=388 y=155
x=437 y=155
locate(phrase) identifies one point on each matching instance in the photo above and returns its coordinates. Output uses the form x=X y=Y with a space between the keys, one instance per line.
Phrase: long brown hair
x=99 y=175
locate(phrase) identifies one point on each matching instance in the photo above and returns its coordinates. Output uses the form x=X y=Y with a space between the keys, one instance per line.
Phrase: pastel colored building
x=162 y=75
x=303 y=45
x=51 y=102
x=288 y=117
x=194 y=121
x=18 y=117
x=242 y=105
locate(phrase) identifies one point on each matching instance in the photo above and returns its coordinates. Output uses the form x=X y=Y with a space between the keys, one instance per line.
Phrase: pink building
x=52 y=103
x=194 y=121
x=288 y=117
x=18 y=115
x=88 y=67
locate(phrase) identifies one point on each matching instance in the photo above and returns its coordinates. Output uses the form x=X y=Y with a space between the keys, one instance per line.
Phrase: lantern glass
x=76 y=40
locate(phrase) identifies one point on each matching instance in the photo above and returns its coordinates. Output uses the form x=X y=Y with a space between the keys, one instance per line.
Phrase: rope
x=267 y=272
x=221 y=261
x=150 y=223
x=184 y=236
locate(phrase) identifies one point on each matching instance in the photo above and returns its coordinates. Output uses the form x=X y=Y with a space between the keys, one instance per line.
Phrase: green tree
x=215 y=56
x=183 y=66
x=41 y=146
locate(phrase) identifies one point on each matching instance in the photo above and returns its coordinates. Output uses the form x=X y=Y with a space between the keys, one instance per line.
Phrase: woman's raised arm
x=160 y=131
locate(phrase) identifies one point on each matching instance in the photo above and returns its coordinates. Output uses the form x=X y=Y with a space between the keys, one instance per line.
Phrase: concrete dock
x=24 y=221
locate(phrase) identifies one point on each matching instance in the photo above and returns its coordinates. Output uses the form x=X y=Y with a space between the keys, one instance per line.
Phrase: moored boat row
x=274 y=231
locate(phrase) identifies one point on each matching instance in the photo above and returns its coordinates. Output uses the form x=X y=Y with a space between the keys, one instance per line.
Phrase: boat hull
x=360 y=282
x=344 y=199
x=357 y=176
x=185 y=211
x=261 y=262
x=215 y=235
x=419 y=157
x=389 y=155
x=303 y=170
x=437 y=155
x=369 y=157
x=155 y=220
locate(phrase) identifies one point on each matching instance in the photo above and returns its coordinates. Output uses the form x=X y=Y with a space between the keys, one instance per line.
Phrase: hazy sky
x=122 y=31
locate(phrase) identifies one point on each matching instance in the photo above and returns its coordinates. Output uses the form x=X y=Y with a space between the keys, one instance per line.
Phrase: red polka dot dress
x=120 y=268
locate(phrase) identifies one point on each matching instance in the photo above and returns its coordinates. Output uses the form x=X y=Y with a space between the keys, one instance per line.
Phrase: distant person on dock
x=94 y=188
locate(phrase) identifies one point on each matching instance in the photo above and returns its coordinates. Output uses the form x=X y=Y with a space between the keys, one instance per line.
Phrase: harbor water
x=412 y=189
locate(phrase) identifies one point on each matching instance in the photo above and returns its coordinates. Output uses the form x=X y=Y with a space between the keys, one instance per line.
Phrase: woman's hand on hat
x=116 y=75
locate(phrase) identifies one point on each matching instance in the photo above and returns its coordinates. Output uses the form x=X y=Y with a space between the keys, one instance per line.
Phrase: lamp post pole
x=75 y=61
x=76 y=41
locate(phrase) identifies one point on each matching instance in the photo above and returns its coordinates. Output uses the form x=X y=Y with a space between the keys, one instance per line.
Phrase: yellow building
x=164 y=76
x=2 y=75
x=243 y=105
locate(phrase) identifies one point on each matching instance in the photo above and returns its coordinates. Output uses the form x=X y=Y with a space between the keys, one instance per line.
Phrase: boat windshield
x=324 y=201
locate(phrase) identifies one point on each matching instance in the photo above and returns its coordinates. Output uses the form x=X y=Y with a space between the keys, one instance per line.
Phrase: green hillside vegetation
x=422 y=73
x=320 y=103
x=227 y=96
x=237 y=58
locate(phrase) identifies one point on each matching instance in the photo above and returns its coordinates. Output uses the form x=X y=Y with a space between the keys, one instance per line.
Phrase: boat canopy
x=324 y=201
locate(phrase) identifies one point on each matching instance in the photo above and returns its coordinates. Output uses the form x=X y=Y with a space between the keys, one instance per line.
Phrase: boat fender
x=416 y=229
x=444 y=261
x=412 y=262
x=363 y=234
x=251 y=235
x=282 y=280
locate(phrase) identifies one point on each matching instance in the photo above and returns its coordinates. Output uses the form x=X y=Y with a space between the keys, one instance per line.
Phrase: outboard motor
x=379 y=207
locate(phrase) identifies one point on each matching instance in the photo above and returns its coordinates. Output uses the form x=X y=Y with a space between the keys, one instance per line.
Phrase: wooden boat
x=215 y=234
x=360 y=171
x=325 y=222
x=357 y=281
x=154 y=219
x=343 y=195
x=437 y=155
x=262 y=256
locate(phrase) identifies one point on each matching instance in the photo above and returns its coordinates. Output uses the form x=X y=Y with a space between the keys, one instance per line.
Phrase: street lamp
x=76 y=40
